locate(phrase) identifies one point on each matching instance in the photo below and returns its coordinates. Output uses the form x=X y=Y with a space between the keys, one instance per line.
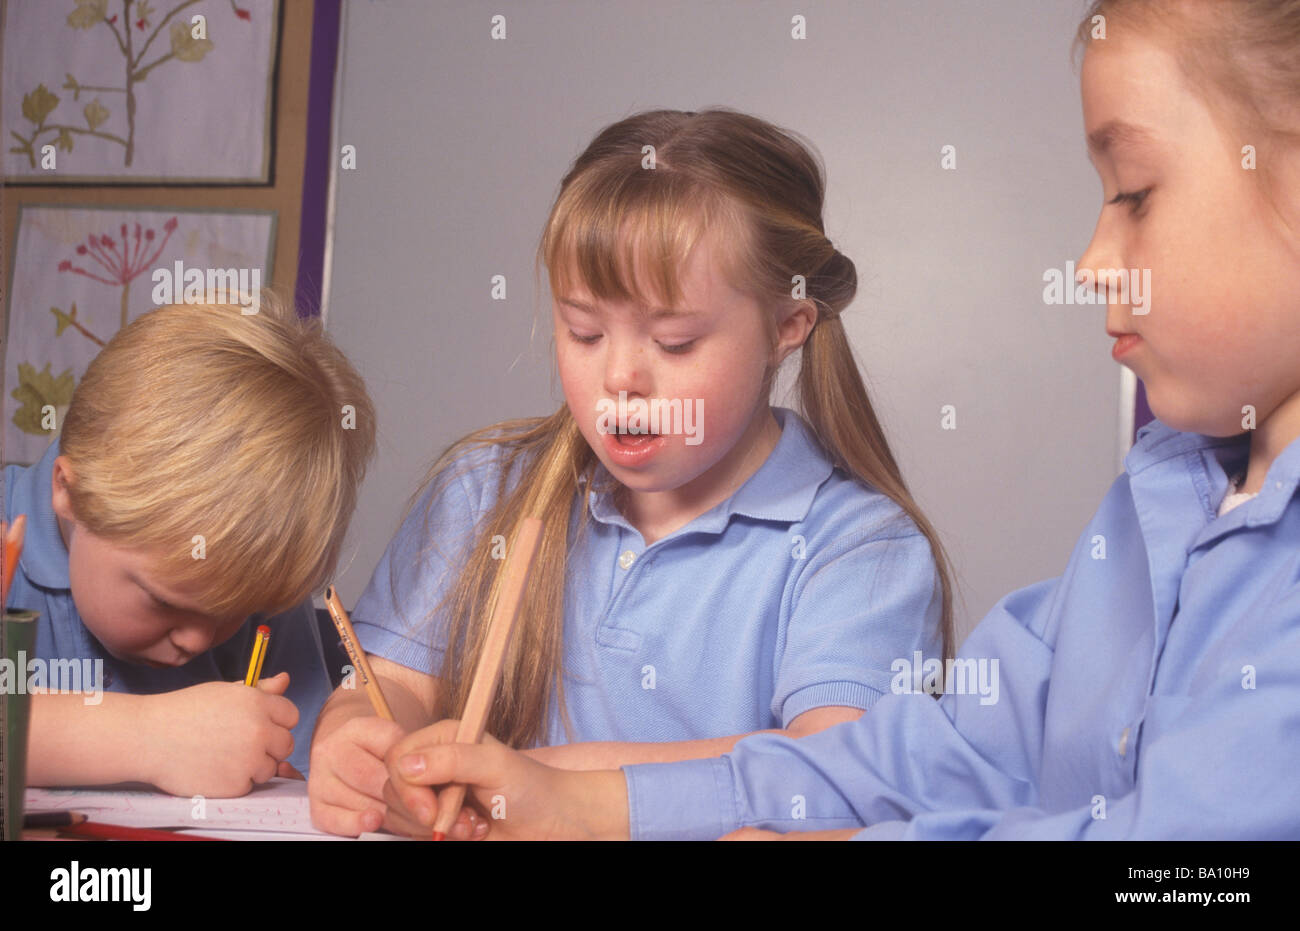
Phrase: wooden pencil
x=487 y=673
x=343 y=624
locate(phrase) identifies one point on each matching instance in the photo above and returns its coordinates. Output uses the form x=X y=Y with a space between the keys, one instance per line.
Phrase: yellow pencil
x=259 y=654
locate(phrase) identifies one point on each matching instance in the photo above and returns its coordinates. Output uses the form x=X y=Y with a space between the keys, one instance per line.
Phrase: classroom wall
x=461 y=142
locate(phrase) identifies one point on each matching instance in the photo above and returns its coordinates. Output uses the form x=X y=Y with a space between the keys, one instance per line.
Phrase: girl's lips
x=1125 y=344
x=631 y=450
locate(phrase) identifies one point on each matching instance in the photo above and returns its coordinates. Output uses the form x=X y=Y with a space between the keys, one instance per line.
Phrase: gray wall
x=462 y=141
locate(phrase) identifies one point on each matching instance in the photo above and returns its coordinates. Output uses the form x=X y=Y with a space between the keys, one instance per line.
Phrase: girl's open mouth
x=632 y=449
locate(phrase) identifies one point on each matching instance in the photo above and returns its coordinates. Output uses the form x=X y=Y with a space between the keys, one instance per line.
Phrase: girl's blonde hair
x=761 y=189
x=249 y=431
x=1242 y=55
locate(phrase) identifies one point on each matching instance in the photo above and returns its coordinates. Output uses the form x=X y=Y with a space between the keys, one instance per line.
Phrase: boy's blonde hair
x=761 y=189
x=251 y=432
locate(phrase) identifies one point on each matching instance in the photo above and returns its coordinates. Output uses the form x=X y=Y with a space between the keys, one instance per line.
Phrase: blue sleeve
x=396 y=617
x=861 y=604
x=909 y=756
x=1219 y=765
x=295 y=648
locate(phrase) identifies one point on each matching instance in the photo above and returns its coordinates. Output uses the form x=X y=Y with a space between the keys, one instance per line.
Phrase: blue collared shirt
x=795 y=593
x=1152 y=691
x=42 y=584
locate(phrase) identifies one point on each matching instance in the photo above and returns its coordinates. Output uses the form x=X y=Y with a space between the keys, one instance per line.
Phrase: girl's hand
x=517 y=797
x=346 y=788
x=220 y=738
x=753 y=834
x=760 y=834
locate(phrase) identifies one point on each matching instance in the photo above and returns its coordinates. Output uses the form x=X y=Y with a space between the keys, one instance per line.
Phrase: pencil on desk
x=13 y=549
x=39 y=820
x=487 y=672
x=97 y=831
x=259 y=654
x=358 y=656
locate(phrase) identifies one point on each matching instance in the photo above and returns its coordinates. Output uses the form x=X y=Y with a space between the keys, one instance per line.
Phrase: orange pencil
x=358 y=656
x=13 y=549
x=488 y=671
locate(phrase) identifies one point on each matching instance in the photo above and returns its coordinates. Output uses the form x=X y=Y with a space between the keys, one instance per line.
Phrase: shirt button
x=626 y=558
x=1123 y=742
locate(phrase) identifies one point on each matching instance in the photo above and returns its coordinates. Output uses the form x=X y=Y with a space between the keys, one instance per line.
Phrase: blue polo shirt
x=795 y=593
x=1150 y=692
x=41 y=584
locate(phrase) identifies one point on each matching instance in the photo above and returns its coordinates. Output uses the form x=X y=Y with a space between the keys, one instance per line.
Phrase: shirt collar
x=782 y=489
x=1157 y=442
x=45 y=557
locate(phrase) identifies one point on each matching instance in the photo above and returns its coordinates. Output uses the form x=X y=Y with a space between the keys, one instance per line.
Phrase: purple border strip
x=1142 y=411
x=316 y=160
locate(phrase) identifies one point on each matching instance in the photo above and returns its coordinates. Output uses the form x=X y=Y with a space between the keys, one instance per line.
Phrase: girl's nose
x=625 y=370
x=1100 y=254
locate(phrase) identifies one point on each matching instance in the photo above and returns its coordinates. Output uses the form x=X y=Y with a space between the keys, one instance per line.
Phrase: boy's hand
x=346 y=787
x=522 y=798
x=219 y=738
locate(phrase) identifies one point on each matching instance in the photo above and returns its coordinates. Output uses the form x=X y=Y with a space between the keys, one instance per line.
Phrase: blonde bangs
x=628 y=237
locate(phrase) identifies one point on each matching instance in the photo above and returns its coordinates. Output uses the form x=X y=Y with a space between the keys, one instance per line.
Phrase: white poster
x=133 y=91
x=82 y=273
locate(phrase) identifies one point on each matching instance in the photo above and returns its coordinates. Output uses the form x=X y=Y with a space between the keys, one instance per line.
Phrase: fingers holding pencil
x=431 y=758
x=517 y=797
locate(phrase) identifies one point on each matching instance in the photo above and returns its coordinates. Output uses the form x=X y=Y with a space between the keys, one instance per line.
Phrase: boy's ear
x=60 y=480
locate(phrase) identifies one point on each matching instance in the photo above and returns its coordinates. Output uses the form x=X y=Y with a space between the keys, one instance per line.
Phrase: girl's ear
x=793 y=330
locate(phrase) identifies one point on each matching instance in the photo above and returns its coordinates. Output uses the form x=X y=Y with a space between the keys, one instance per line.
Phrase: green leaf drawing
x=88 y=13
x=187 y=48
x=63 y=320
x=39 y=104
x=95 y=113
x=64 y=140
x=37 y=389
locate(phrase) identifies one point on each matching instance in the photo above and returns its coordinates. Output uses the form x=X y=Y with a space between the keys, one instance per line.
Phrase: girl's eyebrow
x=1116 y=134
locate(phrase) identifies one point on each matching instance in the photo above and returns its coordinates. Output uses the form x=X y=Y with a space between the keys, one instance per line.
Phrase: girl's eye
x=1135 y=198
x=678 y=349
x=585 y=340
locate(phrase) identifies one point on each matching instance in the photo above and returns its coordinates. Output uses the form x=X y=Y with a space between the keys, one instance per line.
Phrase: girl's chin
x=1189 y=415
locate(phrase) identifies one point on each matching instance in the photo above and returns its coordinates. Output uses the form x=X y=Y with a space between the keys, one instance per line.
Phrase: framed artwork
x=80 y=273
x=139 y=91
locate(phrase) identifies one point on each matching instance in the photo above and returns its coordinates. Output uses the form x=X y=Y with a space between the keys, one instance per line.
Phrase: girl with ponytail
x=733 y=569
x=1152 y=690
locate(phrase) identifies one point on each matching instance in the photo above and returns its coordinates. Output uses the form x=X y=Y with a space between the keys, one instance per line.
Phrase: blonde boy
x=201 y=485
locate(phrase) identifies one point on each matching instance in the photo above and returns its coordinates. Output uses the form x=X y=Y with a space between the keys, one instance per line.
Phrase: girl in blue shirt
x=738 y=569
x=1153 y=690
